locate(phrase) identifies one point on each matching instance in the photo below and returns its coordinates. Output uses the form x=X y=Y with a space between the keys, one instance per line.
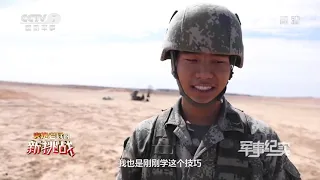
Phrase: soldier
x=199 y=137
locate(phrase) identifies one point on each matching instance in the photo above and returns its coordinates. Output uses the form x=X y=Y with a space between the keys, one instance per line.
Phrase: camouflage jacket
x=165 y=139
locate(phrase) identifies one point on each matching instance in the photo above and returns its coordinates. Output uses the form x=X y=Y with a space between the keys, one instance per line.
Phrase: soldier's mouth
x=203 y=88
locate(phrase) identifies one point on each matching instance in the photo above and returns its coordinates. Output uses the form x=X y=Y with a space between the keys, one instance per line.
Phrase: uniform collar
x=229 y=120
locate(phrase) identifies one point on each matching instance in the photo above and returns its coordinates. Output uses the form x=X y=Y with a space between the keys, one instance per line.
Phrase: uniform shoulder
x=254 y=125
x=260 y=130
x=146 y=126
x=136 y=144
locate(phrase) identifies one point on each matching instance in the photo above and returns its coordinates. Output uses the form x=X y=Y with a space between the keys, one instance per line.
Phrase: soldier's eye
x=191 y=60
x=218 y=61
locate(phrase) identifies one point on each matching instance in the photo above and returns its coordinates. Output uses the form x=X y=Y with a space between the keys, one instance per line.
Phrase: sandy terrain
x=98 y=128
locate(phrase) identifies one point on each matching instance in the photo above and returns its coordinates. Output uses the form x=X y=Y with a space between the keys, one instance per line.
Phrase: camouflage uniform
x=211 y=29
x=236 y=168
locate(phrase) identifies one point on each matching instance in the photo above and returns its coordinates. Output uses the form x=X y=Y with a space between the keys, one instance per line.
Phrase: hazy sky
x=118 y=43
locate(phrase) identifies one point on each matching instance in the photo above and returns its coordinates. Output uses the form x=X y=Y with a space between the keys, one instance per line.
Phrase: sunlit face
x=203 y=76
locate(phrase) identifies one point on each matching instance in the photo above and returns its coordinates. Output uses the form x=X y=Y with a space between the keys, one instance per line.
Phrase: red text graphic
x=50 y=135
x=51 y=147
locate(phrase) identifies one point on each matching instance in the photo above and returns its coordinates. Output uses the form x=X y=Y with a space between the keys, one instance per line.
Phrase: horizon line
x=99 y=87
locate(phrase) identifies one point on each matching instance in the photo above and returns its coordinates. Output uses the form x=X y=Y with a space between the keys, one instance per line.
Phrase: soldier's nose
x=204 y=72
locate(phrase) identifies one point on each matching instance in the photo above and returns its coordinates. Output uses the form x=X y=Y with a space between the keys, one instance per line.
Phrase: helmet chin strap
x=183 y=94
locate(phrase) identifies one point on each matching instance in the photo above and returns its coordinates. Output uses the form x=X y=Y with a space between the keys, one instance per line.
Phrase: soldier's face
x=203 y=76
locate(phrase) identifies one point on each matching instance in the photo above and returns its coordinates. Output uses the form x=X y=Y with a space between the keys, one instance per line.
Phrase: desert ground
x=98 y=128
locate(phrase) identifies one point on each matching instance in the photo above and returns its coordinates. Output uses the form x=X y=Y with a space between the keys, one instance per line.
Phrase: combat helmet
x=203 y=28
